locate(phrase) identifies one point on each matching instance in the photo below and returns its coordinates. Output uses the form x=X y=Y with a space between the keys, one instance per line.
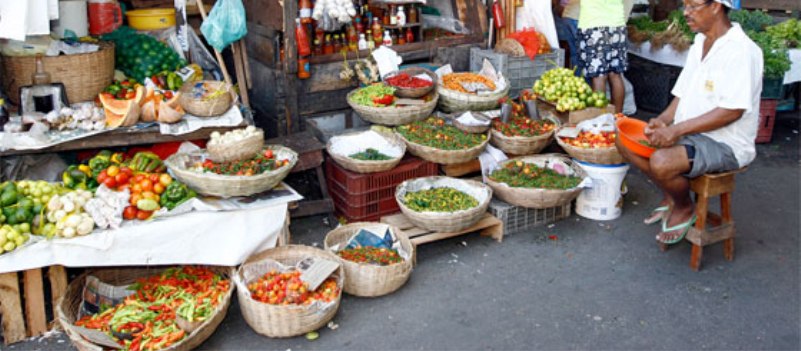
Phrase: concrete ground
x=600 y=285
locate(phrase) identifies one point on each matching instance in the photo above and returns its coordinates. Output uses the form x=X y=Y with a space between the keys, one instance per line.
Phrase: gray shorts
x=707 y=155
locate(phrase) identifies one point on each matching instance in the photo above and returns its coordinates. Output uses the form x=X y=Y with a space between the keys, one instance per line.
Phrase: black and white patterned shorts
x=602 y=50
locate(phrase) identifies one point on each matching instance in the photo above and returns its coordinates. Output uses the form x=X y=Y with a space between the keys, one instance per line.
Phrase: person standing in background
x=567 y=26
x=603 y=46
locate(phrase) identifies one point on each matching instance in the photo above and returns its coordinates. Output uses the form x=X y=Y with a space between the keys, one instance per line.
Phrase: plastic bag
x=225 y=24
x=530 y=40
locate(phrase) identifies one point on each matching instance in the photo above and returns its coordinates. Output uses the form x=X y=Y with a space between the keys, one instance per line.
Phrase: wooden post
x=34 y=301
x=11 y=309
x=58 y=287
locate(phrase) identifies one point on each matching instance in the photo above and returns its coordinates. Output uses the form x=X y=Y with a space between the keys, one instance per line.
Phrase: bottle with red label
x=497 y=14
x=304 y=69
x=409 y=35
x=305 y=8
x=302 y=39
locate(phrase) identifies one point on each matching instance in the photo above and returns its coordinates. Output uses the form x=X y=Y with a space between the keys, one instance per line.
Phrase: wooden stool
x=722 y=225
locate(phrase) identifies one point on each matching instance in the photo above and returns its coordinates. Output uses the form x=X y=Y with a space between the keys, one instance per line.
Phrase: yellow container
x=151 y=19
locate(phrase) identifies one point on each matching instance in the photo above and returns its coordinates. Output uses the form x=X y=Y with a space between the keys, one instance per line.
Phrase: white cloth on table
x=730 y=77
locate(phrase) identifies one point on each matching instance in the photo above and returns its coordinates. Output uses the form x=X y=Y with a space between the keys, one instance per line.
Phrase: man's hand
x=662 y=135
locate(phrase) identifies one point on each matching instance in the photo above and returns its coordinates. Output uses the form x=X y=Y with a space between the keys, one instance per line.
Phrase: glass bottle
x=359 y=25
x=401 y=37
x=393 y=15
x=328 y=47
x=41 y=90
x=409 y=35
x=401 y=16
x=353 y=39
x=377 y=30
x=412 y=14
x=302 y=39
x=337 y=43
x=385 y=20
x=387 y=41
x=370 y=40
x=318 y=48
x=362 y=42
x=394 y=37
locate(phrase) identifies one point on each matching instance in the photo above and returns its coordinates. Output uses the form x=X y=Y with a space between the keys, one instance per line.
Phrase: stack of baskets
x=447 y=222
x=368 y=280
x=283 y=321
x=537 y=197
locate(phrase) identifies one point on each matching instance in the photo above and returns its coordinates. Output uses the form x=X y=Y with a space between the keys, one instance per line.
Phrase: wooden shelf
x=407 y=25
x=407 y=51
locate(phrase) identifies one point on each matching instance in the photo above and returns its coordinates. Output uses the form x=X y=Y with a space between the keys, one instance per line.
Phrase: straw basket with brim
x=442 y=156
x=70 y=304
x=603 y=156
x=522 y=145
x=413 y=93
x=182 y=165
x=536 y=197
x=473 y=129
x=510 y=47
x=394 y=115
x=340 y=148
x=206 y=98
x=83 y=75
x=445 y=221
x=369 y=280
x=455 y=101
x=242 y=149
x=284 y=321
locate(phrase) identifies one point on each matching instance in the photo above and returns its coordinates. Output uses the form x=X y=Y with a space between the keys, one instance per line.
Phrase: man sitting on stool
x=711 y=124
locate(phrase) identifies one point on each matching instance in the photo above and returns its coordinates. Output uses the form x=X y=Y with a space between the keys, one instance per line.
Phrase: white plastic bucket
x=603 y=200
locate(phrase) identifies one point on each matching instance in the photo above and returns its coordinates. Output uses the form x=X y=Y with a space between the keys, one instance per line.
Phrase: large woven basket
x=447 y=222
x=520 y=145
x=284 y=321
x=239 y=150
x=70 y=304
x=455 y=101
x=441 y=156
x=83 y=75
x=538 y=198
x=361 y=166
x=209 y=107
x=603 y=156
x=394 y=115
x=477 y=129
x=211 y=184
x=368 y=280
x=413 y=93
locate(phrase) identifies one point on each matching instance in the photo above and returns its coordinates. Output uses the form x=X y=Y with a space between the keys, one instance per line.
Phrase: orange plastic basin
x=630 y=132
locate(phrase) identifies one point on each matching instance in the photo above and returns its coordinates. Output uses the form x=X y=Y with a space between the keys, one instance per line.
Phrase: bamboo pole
x=220 y=60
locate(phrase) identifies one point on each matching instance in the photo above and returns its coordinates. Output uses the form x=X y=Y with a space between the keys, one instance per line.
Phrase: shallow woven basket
x=444 y=157
x=212 y=184
x=361 y=166
x=70 y=304
x=520 y=145
x=454 y=101
x=207 y=108
x=239 y=150
x=284 y=321
x=413 y=93
x=394 y=115
x=534 y=197
x=84 y=75
x=472 y=129
x=602 y=156
x=446 y=222
x=369 y=280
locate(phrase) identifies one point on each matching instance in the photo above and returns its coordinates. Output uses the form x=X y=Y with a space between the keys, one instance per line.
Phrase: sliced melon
x=168 y=114
x=148 y=112
x=126 y=119
x=141 y=93
x=119 y=107
x=174 y=103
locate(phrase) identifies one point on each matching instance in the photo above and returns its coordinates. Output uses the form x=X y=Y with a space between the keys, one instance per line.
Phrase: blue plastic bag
x=225 y=24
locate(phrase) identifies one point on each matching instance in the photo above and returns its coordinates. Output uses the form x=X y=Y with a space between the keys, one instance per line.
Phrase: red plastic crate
x=767 y=117
x=361 y=199
x=358 y=183
x=370 y=212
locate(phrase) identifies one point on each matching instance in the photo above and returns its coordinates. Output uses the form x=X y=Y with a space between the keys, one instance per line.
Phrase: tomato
x=149 y=195
x=136 y=188
x=110 y=183
x=129 y=213
x=121 y=178
x=154 y=178
x=112 y=171
x=135 y=197
x=158 y=188
x=123 y=187
x=101 y=178
x=139 y=177
x=127 y=171
x=268 y=153
x=146 y=185
x=143 y=215
x=165 y=179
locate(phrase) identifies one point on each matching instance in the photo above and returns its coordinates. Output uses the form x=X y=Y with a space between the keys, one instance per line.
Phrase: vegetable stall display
x=521 y=174
x=434 y=132
x=371 y=255
x=444 y=199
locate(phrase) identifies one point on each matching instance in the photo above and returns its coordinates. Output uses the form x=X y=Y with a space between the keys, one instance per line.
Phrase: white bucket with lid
x=603 y=200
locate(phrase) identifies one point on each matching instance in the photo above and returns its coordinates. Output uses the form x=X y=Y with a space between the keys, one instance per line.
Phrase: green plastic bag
x=225 y=24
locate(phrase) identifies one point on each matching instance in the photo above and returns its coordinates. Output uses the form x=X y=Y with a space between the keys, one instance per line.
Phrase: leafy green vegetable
x=751 y=20
x=789 y=31
x=439 y=200
x=520 y=174
x=774 y=54
x=370 y=155
x=365 y=96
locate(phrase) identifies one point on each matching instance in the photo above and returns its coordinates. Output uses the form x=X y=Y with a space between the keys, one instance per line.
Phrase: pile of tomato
x=148 y=186
x=371 y=255
x=522 y=126
x=259 y=164
x=589 y=140
x=287 y=289
x=404 y=80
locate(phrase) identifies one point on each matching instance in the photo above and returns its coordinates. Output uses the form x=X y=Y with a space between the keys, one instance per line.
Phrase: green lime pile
x=569 y=92
x=140 y=56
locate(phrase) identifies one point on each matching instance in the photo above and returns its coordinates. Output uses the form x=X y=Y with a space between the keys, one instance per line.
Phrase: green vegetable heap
x=789 y=31
x=141 y=56
x=434 y=132
x=520 y=174
x=175 y=194
x=375 y=95
x=370 y=155
x=439 y=200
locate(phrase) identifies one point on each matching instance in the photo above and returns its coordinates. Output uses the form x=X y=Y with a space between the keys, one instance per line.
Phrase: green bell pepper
x=175 y=194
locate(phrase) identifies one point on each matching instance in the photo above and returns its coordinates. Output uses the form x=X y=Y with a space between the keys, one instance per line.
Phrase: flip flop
x=656 y=215
x=684 y=227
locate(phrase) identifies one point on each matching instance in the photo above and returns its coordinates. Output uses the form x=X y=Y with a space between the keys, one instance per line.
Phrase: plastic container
x=370 y=212
x=521 y=71
x=767 y=118
x=772 y=88
x=603 y=201
x=630 y=132
x=360 y=183
x=151 y=19
x=517 y=219
x=104 y=16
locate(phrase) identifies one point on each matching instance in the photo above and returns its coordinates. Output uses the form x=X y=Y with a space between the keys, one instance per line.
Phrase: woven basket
x=413 y=93
x=369 y=280
x=239 y=150
x=447 y=222
x=361 y=166
x=394 y=115
x=212 y=184
x=538 y=198
x=454 y=101
x=510 y=47
x=210 y=107
x=472 y=129
x=83 y=75
x=520 y=145
x=70 y=304
x=444 y=157
x=284 y=321
x=602 y=156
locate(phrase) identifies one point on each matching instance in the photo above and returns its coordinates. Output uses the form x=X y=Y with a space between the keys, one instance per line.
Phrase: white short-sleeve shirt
x=730 y=76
